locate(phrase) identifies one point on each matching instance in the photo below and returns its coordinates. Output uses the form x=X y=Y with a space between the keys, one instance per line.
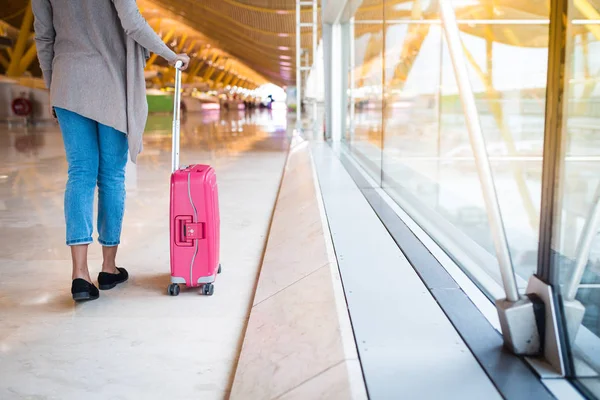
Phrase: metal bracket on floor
x=523 y=324
x=530 y=325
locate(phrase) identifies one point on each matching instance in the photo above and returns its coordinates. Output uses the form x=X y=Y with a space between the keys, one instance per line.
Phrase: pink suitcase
x=194 y=218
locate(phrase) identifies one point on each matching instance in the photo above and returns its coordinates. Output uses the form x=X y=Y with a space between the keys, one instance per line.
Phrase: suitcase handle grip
x=193 y=231
x=187 y=231
x=176 y=117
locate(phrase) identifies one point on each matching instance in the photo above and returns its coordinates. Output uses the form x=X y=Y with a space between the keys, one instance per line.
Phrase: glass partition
x=577 y=219
x=364 y=126
x=419 y=143
x=411 y=120
x=408 y=128
x=508 y=68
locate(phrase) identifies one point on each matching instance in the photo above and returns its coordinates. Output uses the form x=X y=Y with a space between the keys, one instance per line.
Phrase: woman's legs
x=97 y=156
x=111 y=193
x=80 y=137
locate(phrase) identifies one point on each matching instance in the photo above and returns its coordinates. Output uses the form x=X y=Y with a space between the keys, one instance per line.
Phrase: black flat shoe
x=108 y=281
x=82 y=290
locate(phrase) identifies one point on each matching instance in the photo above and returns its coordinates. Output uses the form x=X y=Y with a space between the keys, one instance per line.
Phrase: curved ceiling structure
x=260 y=33
x=254 y=40
x=206 y=53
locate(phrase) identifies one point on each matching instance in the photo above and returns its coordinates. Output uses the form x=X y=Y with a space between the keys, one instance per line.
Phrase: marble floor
x=135 y=342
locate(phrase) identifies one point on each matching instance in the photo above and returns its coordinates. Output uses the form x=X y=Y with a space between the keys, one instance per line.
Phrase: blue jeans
x=97 y=155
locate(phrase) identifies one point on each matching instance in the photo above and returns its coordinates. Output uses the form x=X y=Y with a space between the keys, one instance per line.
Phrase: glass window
x=411 y=131
x=364 y=134
x=408 y=128
x=577 y=220
x=508 y=68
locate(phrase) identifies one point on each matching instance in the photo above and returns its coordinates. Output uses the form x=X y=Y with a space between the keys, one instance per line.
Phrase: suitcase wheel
x=173 y=289
x=208 y=289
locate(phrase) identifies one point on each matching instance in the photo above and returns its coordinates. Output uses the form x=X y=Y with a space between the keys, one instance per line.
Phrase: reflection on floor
x=135 y=342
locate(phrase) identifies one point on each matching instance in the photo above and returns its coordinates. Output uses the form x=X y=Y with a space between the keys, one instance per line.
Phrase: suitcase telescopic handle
x=176 y=117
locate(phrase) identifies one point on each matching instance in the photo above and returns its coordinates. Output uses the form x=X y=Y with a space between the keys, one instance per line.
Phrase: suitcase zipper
x=195 y=221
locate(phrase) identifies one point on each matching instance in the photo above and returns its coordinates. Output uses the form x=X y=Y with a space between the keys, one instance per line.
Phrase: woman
x=92 y=54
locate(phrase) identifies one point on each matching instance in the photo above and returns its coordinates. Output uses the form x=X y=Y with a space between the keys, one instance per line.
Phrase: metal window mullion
x=552 y=179
x=298 y=65
x=451 y=32
x=328 y=83
x=384 y=104
x=306 y=68
x=589 y=286
x=344 y=66
x=352 y=51
x=314 y=60
x=336 y=56
x=552 y=164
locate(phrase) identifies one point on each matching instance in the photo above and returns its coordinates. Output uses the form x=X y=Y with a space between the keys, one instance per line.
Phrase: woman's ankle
x=110 y=268
x=84 y=276
x=109 y=256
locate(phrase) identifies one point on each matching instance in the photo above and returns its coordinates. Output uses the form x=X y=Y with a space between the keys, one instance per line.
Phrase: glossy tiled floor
x=134 y=342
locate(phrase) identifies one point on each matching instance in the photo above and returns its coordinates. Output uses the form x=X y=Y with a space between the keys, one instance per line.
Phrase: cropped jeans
x=97 y=156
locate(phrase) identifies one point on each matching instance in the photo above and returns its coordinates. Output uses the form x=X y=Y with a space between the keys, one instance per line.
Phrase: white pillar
x=336 y=82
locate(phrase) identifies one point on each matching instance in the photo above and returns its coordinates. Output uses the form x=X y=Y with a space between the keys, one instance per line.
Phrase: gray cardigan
x=92 y=54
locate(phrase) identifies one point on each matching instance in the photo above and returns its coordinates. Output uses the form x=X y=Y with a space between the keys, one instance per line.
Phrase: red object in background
x=29 y=144
x=21 y=107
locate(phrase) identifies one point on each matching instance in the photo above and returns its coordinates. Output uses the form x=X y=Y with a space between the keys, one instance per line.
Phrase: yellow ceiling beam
x=229 y=79
x=28 y=58
x=191 y=47
x=182 y=43
x=589 y=12
x=167 y=37
x=222 y=74
x=202 y=59
x=212 y=65
x=411 y=47
x=4 y=61
x=15 y=60
x=373 y=50
x=194 y=72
